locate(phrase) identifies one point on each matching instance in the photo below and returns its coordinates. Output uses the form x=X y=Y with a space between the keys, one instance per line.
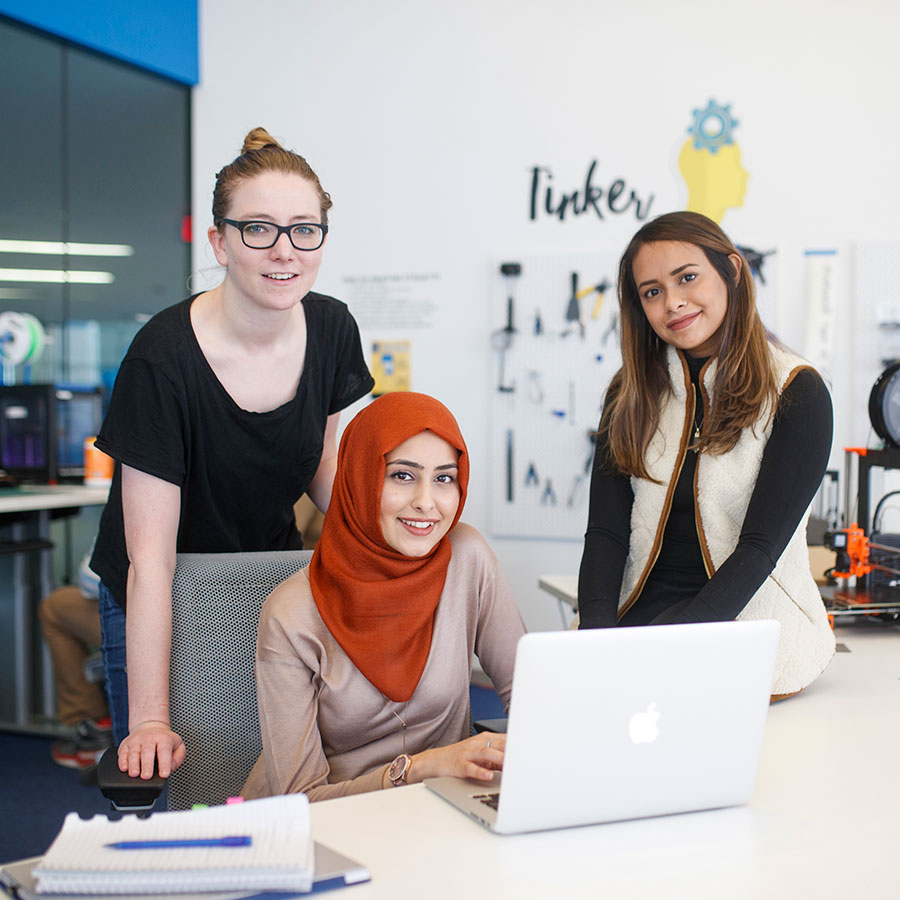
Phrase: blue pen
x=235 y=840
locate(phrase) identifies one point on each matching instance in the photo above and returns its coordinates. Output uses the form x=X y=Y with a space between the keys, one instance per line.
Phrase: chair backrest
x=216 y=601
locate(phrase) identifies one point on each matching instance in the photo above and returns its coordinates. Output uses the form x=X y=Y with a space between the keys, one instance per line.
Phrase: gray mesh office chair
x=216 y=601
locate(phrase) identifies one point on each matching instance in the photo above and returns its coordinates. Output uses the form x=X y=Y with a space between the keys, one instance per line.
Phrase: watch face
x=398 y=768
x=884 y=405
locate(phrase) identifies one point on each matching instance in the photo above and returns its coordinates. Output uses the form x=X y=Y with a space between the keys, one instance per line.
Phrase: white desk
x=25 y=526
x=839 y=601
x=565 y=589
x=39 y=498
x=824 y=821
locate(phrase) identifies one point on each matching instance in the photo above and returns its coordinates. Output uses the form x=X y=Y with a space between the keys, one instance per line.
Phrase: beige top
x=326 y=730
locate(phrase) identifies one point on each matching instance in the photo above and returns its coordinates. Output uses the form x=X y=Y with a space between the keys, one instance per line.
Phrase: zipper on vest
x=701 y=538
x=664 y=519
x=695 y=389
x=708 y=567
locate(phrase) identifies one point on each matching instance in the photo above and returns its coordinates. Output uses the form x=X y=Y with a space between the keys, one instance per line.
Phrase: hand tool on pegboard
x=502 y=337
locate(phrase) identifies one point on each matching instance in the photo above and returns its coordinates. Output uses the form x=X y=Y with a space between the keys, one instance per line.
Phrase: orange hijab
x=379 y=604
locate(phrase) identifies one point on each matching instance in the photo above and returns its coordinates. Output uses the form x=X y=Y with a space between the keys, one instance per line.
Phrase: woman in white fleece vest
x=712 y=443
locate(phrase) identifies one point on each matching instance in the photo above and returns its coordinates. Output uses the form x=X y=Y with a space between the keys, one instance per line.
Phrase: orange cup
x=98 y=467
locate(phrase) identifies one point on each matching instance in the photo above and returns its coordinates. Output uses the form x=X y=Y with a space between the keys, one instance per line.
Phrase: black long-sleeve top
x=678 y=588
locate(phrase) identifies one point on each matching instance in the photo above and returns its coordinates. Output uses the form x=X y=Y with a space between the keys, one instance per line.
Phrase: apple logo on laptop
x=643 y=727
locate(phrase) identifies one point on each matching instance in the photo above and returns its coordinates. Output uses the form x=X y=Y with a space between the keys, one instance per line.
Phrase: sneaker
x=95 y=731
x=68 y=753
x=84 y=749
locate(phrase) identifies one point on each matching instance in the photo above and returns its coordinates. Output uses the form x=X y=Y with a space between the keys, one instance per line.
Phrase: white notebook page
x=278 y=858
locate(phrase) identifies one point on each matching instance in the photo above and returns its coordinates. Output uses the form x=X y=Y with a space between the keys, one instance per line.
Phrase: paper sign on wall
x=390 y=366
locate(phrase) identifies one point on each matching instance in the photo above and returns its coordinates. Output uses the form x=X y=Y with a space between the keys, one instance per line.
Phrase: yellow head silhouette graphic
x=710 y=163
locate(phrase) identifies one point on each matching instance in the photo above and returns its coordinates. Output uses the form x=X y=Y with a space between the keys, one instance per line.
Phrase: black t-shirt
x=240 y=472
x=678 y=588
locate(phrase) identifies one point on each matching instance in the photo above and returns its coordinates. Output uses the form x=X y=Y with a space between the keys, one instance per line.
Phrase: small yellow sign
x=390 y=366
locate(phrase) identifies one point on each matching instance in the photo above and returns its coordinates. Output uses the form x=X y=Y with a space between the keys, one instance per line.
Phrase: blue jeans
x=112 y=627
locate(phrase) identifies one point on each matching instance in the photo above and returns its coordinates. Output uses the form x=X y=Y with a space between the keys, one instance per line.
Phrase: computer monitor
x=78 y=416
x=43 y=428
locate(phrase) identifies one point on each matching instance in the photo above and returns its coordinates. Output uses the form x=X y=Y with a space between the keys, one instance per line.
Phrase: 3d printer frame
x=854 y=548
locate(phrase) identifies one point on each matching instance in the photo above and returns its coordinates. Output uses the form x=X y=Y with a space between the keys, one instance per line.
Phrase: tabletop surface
x=29 y=498
x=824 y=820
x=563 y=587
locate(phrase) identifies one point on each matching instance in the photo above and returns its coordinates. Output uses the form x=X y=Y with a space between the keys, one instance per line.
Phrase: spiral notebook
x=277 y=856
x=333 y=871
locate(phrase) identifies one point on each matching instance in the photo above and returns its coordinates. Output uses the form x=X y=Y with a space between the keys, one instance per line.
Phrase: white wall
x=424 y=121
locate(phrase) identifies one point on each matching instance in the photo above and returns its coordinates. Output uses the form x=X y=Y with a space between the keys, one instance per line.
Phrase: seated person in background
x=712 y=443
x=308 y=518
x=70 y=621
x=363 y=659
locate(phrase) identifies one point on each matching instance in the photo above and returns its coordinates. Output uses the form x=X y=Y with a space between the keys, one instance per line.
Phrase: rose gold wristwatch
x=399 y=769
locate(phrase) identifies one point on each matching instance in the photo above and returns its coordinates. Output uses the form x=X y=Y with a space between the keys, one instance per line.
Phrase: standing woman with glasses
x=224 y=412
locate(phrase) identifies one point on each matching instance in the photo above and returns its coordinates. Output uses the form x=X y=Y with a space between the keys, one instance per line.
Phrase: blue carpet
x=36 y=793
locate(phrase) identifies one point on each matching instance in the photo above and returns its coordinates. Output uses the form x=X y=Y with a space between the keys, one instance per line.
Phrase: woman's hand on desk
x=147 y=742
x=476 y=757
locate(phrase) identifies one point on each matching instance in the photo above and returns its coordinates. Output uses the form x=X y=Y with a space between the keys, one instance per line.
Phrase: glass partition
x=94 y=227
x=94 y=239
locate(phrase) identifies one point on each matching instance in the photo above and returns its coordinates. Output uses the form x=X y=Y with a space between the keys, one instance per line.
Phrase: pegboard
x=552 y=362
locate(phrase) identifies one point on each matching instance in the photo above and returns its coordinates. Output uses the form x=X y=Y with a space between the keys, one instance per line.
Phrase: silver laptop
x=623 y=723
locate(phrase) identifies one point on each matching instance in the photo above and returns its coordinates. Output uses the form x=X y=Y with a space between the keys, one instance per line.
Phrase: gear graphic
x=713 y=127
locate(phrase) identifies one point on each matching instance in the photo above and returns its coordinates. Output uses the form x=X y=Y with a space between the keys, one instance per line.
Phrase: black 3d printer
x=43 y=428
x=863 y=550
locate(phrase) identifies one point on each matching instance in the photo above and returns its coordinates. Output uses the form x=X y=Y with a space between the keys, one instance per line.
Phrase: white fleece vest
x=722 y=488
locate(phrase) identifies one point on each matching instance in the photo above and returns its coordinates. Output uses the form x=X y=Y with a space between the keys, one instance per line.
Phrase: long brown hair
x=745 y=382
x=262 y=153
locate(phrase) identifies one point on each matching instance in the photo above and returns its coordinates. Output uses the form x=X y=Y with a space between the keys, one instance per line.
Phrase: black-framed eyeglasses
x=262 y=235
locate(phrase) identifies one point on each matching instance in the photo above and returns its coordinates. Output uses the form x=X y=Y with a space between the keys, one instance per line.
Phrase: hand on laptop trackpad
x=498 y=726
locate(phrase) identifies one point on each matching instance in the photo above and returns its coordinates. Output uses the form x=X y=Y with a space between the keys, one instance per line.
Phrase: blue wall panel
x=159 y=35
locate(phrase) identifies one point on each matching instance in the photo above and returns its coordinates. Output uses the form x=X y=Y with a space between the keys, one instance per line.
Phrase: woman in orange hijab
x=363 y=659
